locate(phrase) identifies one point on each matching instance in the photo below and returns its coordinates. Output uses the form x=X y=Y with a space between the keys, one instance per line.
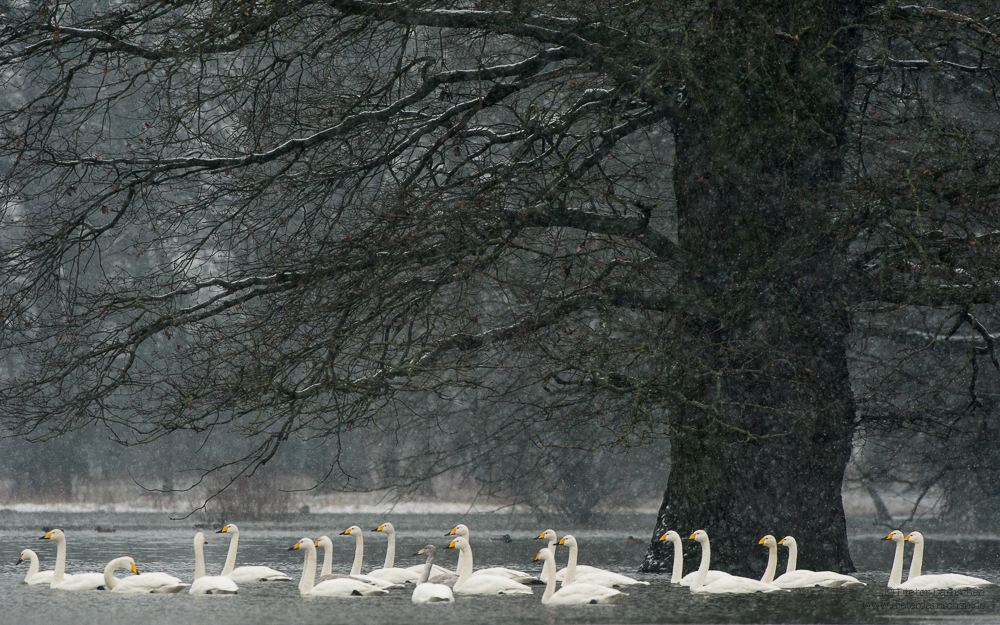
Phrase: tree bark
x=780 y=475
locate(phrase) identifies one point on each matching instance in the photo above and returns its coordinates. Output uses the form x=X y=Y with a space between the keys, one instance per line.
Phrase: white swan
x=678 y=571
x=686 y=580
x=916 y=581
x=553 y=540
x=359 y=556
x=61 y=581
x=797 y=578
x=160 y=583
x=577 y=593
x=469 y=584
x=389 y=572
x=918 y=560
x=327 y=572
x=597 y=576
x=513 y=574
x=34 y=576
x=246 y=573
x=208 y=584
x=341 y=587
x=728 y=584
x=428 y=592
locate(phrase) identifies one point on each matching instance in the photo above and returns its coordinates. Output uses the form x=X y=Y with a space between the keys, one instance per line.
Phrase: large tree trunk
x=764 y=417
x=764 y=471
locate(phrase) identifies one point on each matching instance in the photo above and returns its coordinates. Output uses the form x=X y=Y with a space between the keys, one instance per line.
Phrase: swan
x=139 y=583
x=916 y=581
x=327 y=572
x=600 y=577
x=517 y=576
x=389 y=572
x=34 y=576
x=686 y=580
x=469 y=584
x=728 y=584
x=550 y=536
x=429 y=592
x=208 y=584
x=918 y=560
x=574 y=593
x=359 y=556
x=61 y=581
x=797 y=578
x=342 y=587
x=246 y=573
x=678 y=572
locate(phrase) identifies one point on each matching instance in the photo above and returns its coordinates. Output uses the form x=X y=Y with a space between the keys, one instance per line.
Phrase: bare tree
x=294 y=218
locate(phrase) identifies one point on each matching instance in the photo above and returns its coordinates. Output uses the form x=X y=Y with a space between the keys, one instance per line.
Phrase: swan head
x=459 y=530
x=671 y=536
x=549 y=535
x=351 y=531
x=124 y=562
x=56 y=535
x=324 y=541
x=896 y=536
x=544 y=554
x=700 y=535
x=199 y=539
x=26 y=555
x=458 y=543
x=768 y=541
x=385 y=527
x=303 y=543
x=568 y=539
x=230 y=528
x=915 y=537
x=428 y=551
x=787 y=541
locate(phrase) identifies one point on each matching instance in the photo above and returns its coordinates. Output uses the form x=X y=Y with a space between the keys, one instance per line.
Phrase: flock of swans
x=580 y=584
x=705 y=580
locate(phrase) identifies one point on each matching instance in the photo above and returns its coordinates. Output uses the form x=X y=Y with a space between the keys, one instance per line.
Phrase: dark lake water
x=158 y=544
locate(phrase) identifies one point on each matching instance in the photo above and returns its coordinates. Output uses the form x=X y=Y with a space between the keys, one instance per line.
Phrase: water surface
x=158 y=544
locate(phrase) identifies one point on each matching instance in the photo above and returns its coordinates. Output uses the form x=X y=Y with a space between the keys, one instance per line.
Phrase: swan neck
x=109 y=572
x=793 y=557
x=308 y=572
x=199 y=558
x=570 y=565
x=678 y=573
x=359 y=553
x=464 y=565
x=896 y=576
x=327 y=558
x=772 y=564
x=32 y=565
x=234 y=544
x=552 y=547
x=426 y=575
x=917 y=561
x=706 y=557
x=549 y=576
x=60 y=571
x=390 y=550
